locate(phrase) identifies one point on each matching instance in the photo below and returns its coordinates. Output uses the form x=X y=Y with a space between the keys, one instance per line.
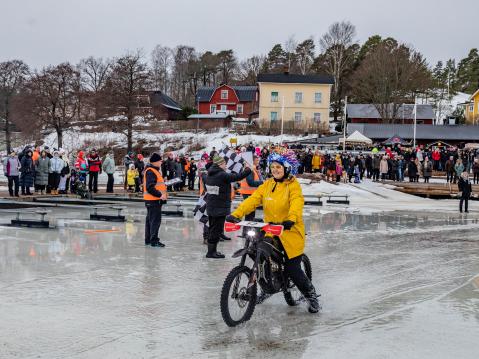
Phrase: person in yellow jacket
x=317 y=162
x=282 y=200
x=132 y=177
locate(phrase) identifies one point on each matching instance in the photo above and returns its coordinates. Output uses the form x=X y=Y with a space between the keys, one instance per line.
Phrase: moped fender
x=240 y=253
x=265 y=248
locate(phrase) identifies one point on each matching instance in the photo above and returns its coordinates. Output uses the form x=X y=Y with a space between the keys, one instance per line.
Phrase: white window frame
x=224 y=94
x=298 y=97
x=317 y=114
x=212 y=108
x=471 y=107
x=276 y=98
x=239 y=108
x=275 y=115
x=223 y=108
x=298 y=116
x=316 y=94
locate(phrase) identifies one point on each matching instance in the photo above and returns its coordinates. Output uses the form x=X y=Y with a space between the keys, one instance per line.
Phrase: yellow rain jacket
x=284 y=203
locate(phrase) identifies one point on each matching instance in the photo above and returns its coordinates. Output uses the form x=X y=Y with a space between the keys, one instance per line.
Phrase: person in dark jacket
x=27 y=170
x=412 y=170
x=218 y=184
x=155 y=196
x=192 y=174
x=466 y=189
x=94 y=168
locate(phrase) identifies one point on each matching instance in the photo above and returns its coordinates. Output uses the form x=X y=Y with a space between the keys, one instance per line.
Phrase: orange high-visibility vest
x=245 y=188
x=160 y=185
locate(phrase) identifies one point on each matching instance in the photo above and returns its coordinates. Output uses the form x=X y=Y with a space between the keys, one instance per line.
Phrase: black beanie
x=155 y=157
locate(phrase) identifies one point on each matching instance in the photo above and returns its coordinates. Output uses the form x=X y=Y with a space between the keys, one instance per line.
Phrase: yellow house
x=471 y=113
x=301 y=101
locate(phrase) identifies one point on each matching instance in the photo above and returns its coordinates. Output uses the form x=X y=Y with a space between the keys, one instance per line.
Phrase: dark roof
x=296 y=78
x=424 y=112
x=244 y=93
x=423 y=132
x=159 y=98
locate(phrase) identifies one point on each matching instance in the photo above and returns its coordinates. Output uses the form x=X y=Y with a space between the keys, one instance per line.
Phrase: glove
x=232 y=219
x=288 y=225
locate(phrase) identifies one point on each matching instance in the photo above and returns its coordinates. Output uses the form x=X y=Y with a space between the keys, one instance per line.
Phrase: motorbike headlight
x=251 y=233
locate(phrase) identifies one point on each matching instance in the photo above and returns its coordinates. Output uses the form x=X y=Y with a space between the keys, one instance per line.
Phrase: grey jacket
x=41 y=170
x=11 y=166
x=108 y=165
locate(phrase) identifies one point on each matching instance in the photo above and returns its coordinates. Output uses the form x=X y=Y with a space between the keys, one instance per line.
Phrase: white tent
x=358 y=138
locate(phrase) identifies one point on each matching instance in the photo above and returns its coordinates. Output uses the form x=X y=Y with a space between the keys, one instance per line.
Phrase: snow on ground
x=371 y=197
x=181 y=141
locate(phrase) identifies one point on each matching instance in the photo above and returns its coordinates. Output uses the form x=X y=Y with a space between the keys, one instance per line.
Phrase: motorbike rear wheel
x=237 y=301
x=292 y=295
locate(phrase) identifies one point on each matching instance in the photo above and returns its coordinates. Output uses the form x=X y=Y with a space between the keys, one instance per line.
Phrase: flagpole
x=282 y=119
x=344 y=122
x=415 y=121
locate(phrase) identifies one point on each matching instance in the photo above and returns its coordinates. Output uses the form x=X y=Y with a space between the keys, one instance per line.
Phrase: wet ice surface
x=395 y=285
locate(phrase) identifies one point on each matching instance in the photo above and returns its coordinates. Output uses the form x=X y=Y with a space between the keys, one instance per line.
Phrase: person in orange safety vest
x=154 y=195
x=250 y=184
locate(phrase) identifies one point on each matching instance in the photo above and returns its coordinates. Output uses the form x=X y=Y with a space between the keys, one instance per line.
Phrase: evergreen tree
x=468 y=72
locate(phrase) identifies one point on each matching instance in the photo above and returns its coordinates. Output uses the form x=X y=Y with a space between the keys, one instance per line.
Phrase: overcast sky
x=43 y=32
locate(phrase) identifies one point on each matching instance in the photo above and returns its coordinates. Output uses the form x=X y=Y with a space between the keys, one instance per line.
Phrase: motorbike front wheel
x=292 y=295
x=237 y=300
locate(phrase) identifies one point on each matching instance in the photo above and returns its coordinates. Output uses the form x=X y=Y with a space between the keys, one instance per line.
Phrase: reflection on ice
x=399 y=284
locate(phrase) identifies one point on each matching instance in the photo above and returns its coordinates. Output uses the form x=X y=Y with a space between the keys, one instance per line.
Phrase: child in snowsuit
x=132 y=178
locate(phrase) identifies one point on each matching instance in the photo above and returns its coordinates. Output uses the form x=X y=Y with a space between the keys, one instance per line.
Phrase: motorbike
x=239 y=295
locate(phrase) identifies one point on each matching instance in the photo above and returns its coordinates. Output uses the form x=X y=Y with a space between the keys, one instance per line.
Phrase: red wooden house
x=237 y=101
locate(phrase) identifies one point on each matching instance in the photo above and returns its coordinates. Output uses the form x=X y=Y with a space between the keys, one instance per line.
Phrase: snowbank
x=370 y=197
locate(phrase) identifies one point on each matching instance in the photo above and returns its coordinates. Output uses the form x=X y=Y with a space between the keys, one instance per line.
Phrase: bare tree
x=128 y=80
x=290 y=52
x=184 y=57
x=94 y=73
x=389 y=77
x=337 y=58
x=250 y=68
x=161 y=63
x=52 y=95
x=12 y=76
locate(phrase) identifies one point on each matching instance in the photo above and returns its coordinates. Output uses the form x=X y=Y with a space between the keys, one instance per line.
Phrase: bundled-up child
x=133 y=177
x=339 y=170
x=357 y=174
x=73 y=180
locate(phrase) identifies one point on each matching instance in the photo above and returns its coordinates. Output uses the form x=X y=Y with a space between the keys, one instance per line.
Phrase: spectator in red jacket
x=436 y=158
x=94 y=167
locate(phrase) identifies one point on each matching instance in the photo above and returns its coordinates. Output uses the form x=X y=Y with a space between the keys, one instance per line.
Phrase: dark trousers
x=216 y=225
x=110 y=182
x=13 y=182
x=464 y=200
x=449 y=177
x=191 y=182
x=476 y=178
x=152 y=223
x=376 y=174
x=55 y=180
x=292 y=267
x=93 y=182
x=50 y=183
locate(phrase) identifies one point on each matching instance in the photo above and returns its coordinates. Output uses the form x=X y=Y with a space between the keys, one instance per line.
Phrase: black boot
x=312 y=299
x=224 y=238
x=212 y=253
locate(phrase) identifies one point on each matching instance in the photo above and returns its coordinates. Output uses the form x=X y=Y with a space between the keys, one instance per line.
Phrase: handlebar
x=272 y=228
